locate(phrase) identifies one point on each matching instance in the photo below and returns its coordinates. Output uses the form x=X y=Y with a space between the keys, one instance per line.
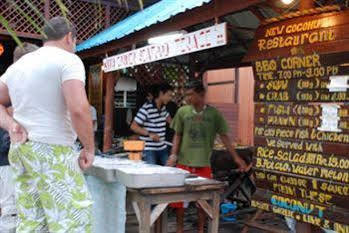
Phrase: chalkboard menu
x=301 y=70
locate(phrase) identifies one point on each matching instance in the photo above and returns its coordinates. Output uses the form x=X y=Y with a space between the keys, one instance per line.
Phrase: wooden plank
x=310 y=134
x=300 y=209
x=332 y=174
x=178 y=22
x=301 y=96
x=197 y=183
x=144 y=210
x=179 y=197
x=320 y=159
x=264 y=203
x=136 y=209
x=22 y=34
x=266 y=228
x=157 y=211
x=299 y=83
x=299 y=122
x=164 y=221
x=253 y=219
x=191 y=186
x=316 y=190
x=304 y=145
x=206 y=207
x=298 y=78
x=289 y=109
x=303 y=227
x=284 y=29
x=213 y=224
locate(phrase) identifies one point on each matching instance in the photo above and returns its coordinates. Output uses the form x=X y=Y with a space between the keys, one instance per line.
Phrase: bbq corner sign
x=206 y=38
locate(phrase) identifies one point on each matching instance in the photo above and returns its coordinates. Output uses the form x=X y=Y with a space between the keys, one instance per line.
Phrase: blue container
x=227 y=208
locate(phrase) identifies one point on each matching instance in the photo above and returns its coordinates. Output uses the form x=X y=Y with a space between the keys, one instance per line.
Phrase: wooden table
x=205 y=192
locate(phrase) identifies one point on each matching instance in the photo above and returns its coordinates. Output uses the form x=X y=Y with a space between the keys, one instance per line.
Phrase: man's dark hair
x=196 y=85
x=57 y=27
x=156 y=89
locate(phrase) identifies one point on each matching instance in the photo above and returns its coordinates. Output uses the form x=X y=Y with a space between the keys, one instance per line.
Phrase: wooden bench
x=205 y=192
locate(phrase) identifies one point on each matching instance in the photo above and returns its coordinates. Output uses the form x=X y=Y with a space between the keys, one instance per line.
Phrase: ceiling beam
x=22 y=34
x=198 y=15
x=256 y=12
x=233 y=27
x=226 y=62
x=272 y=6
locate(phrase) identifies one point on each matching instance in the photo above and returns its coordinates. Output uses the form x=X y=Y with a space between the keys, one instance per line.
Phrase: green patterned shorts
x=51 y=193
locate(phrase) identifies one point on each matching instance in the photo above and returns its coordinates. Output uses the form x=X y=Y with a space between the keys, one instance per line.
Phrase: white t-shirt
x=35 y=88
x=94 y=117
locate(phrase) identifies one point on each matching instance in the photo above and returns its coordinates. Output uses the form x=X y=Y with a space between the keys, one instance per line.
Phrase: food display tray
x=136 y=174
x=151 y=176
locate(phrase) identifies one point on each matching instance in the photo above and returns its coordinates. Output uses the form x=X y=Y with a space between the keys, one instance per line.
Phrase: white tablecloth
x=109 y=207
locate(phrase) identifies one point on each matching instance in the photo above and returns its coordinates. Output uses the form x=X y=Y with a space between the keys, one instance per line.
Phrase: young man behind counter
x=196 y=126
x=150 y=124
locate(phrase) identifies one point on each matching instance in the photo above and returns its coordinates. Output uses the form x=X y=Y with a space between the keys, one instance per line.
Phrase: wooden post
x=164 y=221
x=236 y=85
x=144 y=208
x=213 y=225
x=109 y=110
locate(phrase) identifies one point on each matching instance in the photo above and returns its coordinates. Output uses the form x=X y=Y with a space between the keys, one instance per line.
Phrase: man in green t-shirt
x=196 y=126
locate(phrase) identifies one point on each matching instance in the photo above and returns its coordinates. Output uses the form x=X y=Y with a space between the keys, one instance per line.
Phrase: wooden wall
x=234 y=98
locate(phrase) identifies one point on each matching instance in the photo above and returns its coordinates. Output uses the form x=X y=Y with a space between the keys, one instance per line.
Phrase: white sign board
x=206 y=38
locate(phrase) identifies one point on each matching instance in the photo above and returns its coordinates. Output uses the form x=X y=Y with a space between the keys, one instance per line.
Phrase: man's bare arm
x=172 y=160
x=17 y=133
x=5 y=119
x=240 y=162
x=138 y=129
x=141 y=131
x=79 y=108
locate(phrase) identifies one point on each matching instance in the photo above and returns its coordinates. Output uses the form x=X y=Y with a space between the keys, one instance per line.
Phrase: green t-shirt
x=198 y=132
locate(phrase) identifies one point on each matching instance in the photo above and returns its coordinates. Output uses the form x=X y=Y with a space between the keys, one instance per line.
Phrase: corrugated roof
x=158 y=12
